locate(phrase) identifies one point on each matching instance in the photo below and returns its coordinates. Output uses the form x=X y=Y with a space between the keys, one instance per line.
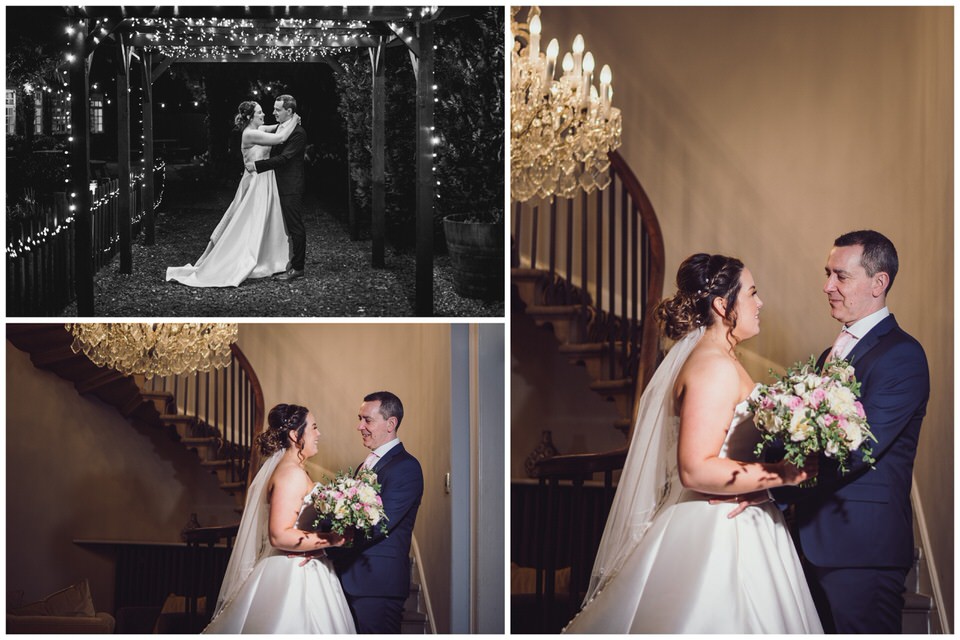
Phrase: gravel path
x=339 y=280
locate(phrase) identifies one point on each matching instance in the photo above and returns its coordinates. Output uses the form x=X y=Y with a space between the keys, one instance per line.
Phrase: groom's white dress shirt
x=382 y=449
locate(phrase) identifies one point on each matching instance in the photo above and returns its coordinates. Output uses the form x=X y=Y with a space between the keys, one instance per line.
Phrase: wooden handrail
x=258 y=410
x=579 y=465
x=649 y=343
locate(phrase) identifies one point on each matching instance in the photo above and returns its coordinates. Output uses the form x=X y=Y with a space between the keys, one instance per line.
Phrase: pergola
x=163 y=35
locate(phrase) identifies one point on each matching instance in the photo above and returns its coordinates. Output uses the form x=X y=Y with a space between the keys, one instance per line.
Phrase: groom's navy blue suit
x=375 y=573
x=856 y=529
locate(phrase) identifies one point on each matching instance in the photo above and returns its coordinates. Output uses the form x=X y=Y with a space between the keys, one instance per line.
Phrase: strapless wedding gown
x=250 y=241
x=280 y=596
x=697 y=571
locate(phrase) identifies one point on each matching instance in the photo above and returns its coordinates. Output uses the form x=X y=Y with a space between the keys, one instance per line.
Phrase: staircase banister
x=578 y=465
x=649 y=343
x=210 y=535
x=258 y=409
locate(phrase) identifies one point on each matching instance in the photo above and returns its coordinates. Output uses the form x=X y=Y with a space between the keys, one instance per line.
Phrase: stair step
x=568 y=321
x=233 y=487
x=102 y=378
x=55 y=355
x=160 y=399
x=529 y=284
x=620 y=391
x=596 y=357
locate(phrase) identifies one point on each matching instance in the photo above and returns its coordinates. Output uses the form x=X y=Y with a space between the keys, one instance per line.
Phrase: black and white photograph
x=281 y=161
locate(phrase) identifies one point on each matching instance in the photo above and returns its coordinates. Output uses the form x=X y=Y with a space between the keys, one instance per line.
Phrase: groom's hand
x=742 y=501
x=250 y=166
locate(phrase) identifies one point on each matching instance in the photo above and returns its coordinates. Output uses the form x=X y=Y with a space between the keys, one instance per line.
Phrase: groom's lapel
x=870 y=340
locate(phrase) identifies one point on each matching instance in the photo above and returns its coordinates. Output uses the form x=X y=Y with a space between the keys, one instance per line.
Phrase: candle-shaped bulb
x=606 y=76
x=588 y=63
x=594 y=94
x=553 y=50
x=535 y=38
x=578 y=56
x=567 y=63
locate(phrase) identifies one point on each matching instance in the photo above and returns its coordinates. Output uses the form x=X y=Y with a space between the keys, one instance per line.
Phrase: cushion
x=524 y=579
x=75 y=600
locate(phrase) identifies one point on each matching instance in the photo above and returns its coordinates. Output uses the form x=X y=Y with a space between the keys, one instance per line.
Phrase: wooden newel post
x=425 y=177
x=80 y=174
x=123 y=156
x=148 y=177
x=379 y=224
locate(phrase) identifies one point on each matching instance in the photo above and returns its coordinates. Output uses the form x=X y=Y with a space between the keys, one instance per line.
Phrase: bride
x=250 y=240
x=267 y=588
x=670 y=560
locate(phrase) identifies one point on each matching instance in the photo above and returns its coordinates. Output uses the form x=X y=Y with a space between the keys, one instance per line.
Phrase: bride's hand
x=742 y=501
x=793 y=475
x=331 y=539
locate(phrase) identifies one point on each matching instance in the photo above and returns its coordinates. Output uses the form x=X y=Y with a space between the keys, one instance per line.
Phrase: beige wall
x=330 y=367
x=77 y=470
x=765 y=132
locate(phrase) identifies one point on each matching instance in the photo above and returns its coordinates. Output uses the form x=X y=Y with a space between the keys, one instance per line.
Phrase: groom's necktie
x=370 y=461
x=841 y=344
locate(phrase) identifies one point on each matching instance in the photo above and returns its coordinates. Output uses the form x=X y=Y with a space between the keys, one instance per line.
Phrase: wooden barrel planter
x=476 y=254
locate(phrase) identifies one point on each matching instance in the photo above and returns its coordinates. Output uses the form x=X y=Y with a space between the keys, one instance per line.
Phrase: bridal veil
x=650 y=465
x=252 y=537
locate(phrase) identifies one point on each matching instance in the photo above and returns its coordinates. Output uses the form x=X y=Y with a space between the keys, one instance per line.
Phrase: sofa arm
x=100 y=623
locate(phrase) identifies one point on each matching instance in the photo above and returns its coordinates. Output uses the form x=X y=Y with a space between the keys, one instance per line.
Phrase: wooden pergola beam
x=123 y=155
x=149 y=224
x=378 y=229
x=425 y=177
x=380 y=13
x=142 y=39
x=80 y=176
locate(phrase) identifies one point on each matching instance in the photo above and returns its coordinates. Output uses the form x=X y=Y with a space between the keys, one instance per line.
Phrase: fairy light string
x=290 y=40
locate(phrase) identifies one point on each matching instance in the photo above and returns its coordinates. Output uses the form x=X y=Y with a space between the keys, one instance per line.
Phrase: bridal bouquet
x=812 y=412
x=349 y=502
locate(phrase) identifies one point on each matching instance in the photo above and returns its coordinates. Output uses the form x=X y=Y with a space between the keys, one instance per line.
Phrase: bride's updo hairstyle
x=244 y=114
x=281 y=420
x=700 y=279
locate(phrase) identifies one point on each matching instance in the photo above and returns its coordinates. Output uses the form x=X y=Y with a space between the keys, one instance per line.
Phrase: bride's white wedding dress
x=684 y=566
x=264 y=591
x=250 y=240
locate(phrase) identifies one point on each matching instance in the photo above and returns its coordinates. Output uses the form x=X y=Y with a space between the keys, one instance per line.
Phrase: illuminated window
x=11 y=112
x=38 y=112
x=59 y=113
x=96 y=113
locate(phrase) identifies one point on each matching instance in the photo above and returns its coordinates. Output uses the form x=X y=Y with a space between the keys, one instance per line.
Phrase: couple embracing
x=262 y=232
x=675 y=559
x=281 y=579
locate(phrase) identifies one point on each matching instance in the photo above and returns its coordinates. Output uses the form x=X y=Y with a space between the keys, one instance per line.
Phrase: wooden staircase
x=49 y=347
x=591 y=268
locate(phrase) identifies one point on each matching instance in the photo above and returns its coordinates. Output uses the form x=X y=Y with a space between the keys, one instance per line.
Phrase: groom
x=375 y=572
x=856 y=529
x=286 y=160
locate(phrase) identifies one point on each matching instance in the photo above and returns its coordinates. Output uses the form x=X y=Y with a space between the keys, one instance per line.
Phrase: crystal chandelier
x=159 y=349
x=561 y=128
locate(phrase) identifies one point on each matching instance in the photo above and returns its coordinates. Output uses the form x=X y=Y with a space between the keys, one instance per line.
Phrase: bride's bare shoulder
x=705 y=365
